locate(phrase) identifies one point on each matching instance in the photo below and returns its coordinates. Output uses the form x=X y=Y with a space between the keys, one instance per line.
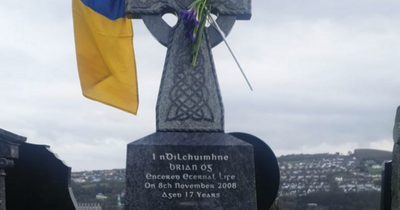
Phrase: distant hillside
x=301 y=157
x=372 y=154
x=361 y=154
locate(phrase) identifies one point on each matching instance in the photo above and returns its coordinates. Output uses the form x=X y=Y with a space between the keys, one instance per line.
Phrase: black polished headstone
x=395 y=165
x=386 y=190
x=9 y=151
x=196 y=171
x=267 y=170
x=38 y=181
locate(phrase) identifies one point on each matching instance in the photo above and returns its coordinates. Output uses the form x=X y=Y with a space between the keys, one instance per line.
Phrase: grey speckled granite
x=189 y=163
x=189 y=170
x=189 y=98
x=138 y=8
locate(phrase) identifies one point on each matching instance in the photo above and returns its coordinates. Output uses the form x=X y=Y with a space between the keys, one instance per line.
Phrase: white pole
x=216 y=26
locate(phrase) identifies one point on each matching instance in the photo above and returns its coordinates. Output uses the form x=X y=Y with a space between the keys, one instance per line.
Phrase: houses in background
x=98 y=176
x=325 y=173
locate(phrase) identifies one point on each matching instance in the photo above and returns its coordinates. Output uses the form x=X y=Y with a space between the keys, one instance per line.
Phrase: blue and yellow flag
x=104 y=51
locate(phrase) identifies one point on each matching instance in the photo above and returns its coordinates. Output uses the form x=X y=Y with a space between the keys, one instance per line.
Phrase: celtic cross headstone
x=189 y=162
x=189 y=97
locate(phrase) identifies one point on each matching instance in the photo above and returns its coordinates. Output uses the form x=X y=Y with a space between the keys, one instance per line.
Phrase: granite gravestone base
x=190 y=170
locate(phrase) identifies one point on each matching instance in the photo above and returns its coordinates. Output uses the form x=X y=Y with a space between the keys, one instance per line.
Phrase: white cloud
x=384 y=144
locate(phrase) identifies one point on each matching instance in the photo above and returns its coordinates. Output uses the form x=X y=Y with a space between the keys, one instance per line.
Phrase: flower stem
x=195 y=18
x=202 y=16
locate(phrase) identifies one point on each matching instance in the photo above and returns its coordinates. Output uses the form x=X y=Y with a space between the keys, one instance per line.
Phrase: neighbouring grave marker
x=35 y=178
x=395 y=172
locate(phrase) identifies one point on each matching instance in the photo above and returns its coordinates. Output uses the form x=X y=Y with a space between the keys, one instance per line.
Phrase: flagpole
x=216 y=26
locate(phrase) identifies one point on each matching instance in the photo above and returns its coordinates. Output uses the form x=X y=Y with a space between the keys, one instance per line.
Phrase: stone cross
x=189 y=98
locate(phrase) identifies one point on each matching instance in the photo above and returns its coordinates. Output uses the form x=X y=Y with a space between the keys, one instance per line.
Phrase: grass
x=374 y=170
x=91 y=185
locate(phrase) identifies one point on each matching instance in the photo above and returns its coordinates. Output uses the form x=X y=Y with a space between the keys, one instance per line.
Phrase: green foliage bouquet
x=195 y=18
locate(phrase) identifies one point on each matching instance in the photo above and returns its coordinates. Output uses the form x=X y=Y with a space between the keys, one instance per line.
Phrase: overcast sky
x=326 y=78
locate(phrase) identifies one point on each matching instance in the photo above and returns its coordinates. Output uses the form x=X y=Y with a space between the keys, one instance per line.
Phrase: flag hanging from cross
x=105 y=54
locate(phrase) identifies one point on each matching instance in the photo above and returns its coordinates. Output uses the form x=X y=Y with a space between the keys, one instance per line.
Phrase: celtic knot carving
x=232 y=5
x=189 y=94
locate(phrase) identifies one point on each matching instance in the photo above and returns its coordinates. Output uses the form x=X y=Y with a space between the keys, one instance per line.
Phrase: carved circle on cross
x=160 y=29
x=151 y=12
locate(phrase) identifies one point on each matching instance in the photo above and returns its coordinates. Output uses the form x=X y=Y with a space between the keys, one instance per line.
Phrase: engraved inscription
x=190 y=176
